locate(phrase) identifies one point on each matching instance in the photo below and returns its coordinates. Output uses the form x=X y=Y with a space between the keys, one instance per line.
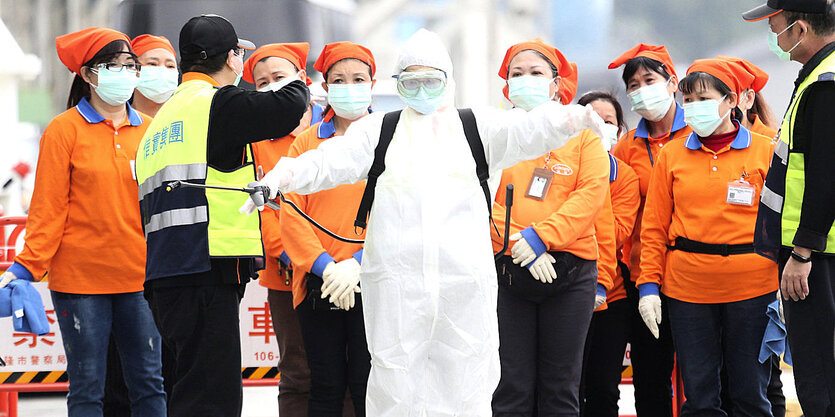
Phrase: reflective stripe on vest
x=185 y=172
x=795 y=174
x=176 y=217
x=175 y=148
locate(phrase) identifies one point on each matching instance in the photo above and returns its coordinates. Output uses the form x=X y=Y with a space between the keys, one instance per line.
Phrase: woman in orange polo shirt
x=610 y=328
x=84 y=228
x=697 y=246
x=651 y=82
x=269 y=68
x=547 y=279
x=326 y=271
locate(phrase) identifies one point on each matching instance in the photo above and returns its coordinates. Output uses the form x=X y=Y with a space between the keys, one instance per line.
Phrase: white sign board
x=25 y=352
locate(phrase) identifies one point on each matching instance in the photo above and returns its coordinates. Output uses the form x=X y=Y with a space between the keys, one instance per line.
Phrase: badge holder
x=540 y=184
x=741 y=193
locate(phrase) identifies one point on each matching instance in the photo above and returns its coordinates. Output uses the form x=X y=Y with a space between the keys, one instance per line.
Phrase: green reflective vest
x=795 y=175
x=185 y=227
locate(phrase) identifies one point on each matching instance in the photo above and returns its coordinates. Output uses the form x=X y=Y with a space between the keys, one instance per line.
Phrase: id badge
x=540 y=183
x=741 y=193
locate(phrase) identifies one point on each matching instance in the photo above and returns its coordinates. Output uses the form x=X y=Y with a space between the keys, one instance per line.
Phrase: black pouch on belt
x=518 y=279
x=314 y=293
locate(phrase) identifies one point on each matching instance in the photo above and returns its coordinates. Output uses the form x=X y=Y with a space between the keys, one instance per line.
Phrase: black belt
x=693 y=246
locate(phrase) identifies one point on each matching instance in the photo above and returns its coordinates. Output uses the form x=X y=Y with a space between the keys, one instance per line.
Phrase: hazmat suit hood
x=426 y=48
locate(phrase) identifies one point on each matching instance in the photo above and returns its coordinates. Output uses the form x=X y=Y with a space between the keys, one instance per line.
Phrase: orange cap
x=337 y=51
x=146 y=42
x=735 y=76
x=658 y=53
x=566 y=70
x=760 y=76
x=296 y=53
x=74 y=49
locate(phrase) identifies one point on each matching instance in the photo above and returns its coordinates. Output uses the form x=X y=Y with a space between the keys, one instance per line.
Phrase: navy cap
x=208 y=35
x=776 y=6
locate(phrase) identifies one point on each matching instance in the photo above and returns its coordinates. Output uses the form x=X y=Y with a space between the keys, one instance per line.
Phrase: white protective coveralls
x=428 y=277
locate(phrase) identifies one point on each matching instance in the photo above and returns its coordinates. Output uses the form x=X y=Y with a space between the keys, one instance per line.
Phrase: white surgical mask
x=527 y=92
x=610 y=136
x=703 y=116
x=278 y=85
x=652 y=102
x=239 y=74
x=775 y=47
x=157 y=83
x=115 y=88
x=349 y=101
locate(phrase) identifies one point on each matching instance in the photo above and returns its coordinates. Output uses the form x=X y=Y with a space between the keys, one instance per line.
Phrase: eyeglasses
x=131 y=67
x=410 y=83
x=240 y=52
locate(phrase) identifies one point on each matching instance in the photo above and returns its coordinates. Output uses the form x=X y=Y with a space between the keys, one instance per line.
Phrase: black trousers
x=774 y=393
x=811 y=334
x=337 y=354
x=541 y=344
x=116 y=402
x=652 y=361
x=200 y=325
x=605 y=346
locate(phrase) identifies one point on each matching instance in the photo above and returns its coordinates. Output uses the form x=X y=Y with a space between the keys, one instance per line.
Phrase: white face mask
x=238 y=74
x=115 y=88
x=349 y=101
x=278 y=84
x=157 y=83
x=703 y=116
x=610 y=136
x=528 y=92
x=652 y=102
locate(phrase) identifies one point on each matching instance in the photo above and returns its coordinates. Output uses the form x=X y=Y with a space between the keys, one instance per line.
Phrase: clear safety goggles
x=131 y=67
x=432 y=82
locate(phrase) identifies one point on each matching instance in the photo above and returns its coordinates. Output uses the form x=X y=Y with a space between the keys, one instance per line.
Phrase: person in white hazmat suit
x=428 y=277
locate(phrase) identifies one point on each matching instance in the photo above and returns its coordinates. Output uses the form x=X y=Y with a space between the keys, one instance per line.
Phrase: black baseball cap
x=776 y=6
x=208 y=35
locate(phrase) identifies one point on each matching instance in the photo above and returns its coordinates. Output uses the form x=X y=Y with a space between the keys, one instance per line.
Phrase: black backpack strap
x=477 y=148
x=377 y=167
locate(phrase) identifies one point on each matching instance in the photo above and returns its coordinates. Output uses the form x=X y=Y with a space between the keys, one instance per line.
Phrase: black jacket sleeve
x=239 y=116
x=818 y=145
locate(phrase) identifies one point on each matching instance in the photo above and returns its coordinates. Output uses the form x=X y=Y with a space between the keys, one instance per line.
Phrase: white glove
x=542 y=268
x=650 y=308
x=327 y=274
x=522 y=252
x=577 y=118
x=348 y=301
x=342 y=281
x=599 y=300
x=279 y=178
x=6 y=278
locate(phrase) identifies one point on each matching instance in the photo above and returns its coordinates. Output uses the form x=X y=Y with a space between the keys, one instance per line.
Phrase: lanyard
x=649 y=152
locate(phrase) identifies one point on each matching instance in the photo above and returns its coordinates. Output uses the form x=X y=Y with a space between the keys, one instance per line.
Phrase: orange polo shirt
x=687 y=197
x=335 y=209
x=564 y=220
x=626 y=198
x=84 y=226
x=640 y=152
x=267 y=153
